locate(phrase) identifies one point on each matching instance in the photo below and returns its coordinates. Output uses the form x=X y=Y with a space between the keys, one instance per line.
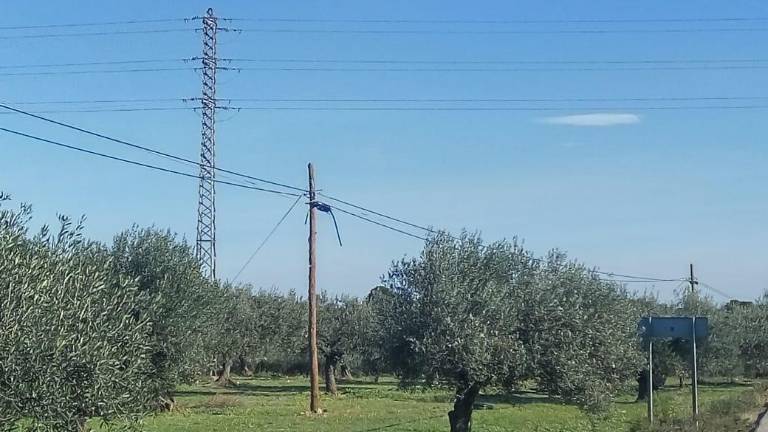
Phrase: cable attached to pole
x=266 y=239
x=325 y=208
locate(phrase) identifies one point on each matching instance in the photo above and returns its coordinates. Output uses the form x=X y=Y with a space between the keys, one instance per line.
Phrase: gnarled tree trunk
x=460 y=417
x=330 y=376
x=642 y=383
x=345 y=373
x=244 y=366
x=166 y=402
x=224 y=378
x=81 y=423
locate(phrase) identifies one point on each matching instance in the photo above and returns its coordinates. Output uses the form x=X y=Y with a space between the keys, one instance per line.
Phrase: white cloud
x=596 y=119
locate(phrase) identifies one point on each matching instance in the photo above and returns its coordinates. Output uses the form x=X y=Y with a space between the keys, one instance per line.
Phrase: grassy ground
x=281 y=405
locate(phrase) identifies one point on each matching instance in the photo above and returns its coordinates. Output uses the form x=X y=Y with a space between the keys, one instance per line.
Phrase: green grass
x=281 y=405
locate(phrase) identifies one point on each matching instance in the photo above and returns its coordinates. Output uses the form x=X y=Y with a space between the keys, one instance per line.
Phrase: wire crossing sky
x=629 y=135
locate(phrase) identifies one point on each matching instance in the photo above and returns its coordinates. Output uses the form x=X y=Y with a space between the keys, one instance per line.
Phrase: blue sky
x=628 y=190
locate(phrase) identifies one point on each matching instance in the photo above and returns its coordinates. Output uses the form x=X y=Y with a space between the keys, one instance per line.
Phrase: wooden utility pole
x=314 y=395
x=692 y=281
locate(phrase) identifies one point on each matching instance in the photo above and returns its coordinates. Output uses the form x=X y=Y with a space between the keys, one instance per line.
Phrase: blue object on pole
x=673 y=327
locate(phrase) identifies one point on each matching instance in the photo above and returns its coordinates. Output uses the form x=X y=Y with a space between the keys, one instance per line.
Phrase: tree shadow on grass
x=254 y=387
x=366 y=383
x=515 y=398
x=724 y=384
x=403 y=423
x=382 y=428
x=524 y=398
x=246 y=389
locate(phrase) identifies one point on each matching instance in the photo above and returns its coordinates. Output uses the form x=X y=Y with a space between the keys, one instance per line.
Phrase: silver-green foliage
x=71 y=344
x=175 y=298
x=454 y=308
x=579 y=333
x=472 y=314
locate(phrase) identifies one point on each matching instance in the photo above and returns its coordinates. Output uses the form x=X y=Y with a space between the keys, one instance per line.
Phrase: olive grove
x=92 y=331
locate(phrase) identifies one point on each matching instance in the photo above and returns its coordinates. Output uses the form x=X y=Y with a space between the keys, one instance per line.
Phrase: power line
x=518 y=69
x=631 y=280
x=717 y=291
x=100 y=101
x=102 y=110
x=94 y=24
x=266 y=239
x=391 y=61
x=394 y=219
x=392 y=100
x=643 y=278
x=508 y=32
x=141 y=164
x=412 y=109
x=522 y=109
x=97 y=71
x=99 y=33
x=376 y=69
x=497 y=21
x=93 y=63
x=378 y=223
x=556 y=62
x=143 y=148
x=500 y=100
x=627 y=278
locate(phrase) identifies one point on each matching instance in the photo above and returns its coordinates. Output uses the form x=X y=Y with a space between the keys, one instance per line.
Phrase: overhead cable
x=392 y=218
x=716 y=291
x=644 y=278
x=500 y=21
x=519 y=62
x=499 y=69
x=266 y=239
x=143 y=148
x=99 y=33
x=140 y=164
x=94 y=24
x=92 y=63
x=510 y=32
x=383 y=225
x=96 y=71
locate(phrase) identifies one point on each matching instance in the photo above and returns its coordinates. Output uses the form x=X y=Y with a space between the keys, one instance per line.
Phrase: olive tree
x=374 y=349
x=460 y=295
x=277 y=326
x=340 y=330
x=176 y=299
x=390 y=345
x=230 y=332
x=249 y=325
x=72 y=345
x=579 y=332
x=744 y=328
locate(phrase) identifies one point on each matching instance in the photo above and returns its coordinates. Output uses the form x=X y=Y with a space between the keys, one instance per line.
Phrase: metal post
x=695 y=374
x=314 y=391
x=650 y=375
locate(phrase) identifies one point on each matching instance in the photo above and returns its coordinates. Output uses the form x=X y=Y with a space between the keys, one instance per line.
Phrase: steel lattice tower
x=206 y=207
